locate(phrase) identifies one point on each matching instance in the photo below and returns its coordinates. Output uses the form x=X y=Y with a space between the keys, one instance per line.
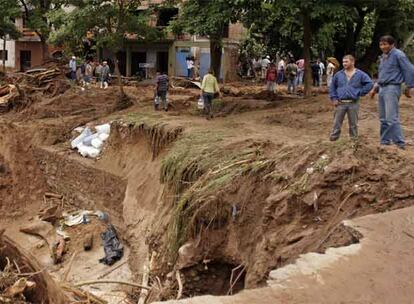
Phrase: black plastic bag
x=114 y=251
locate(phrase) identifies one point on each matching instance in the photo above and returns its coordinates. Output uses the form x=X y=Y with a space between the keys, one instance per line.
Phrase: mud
x=245 y=193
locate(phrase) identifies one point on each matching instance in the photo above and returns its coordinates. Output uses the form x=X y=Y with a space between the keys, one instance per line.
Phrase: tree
x=36 y=13
x=8 y=11
x=297 y=26
x=108 y=23
x=209 y=19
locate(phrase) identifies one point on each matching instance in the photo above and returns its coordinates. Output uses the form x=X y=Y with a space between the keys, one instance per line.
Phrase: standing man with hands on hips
x=394 y=69
x=347 y=86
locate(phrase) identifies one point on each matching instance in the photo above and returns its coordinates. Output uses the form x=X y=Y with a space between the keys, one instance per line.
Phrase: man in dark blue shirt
x=394 y=69
x=347 y=86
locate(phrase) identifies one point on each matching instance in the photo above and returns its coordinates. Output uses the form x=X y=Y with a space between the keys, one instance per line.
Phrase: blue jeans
x=291 y=85
x=208 y=104
x=389 y=112
x=280 y=76
x=299 y=77
x=351 y=110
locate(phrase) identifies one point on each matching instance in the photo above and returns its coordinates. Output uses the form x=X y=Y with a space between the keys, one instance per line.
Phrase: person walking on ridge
x=209 y=88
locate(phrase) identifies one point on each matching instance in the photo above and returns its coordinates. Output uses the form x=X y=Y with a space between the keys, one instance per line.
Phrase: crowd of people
x=346 y=86
x=85 y=72
x=277 y=71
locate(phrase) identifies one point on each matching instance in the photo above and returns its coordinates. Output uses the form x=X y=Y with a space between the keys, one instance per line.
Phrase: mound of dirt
x=262 y=206
x=22 y=279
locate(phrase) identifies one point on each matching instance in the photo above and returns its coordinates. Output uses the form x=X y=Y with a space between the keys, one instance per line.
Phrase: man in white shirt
x=321 y=71
x=190 y=67
x=265 y=66
x=330 y=70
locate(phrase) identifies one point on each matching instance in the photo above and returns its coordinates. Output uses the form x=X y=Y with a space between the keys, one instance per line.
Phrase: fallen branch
x=110 y=282
x=112 y=270
x=50 y=194
x=91 y=299
x=65 y=276
x=180 y=285
x=232 y=284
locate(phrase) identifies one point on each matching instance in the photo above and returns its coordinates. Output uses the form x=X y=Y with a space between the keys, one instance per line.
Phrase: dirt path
x=378 y=270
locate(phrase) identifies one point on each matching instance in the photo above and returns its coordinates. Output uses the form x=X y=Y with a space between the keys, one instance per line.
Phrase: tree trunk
x=45 y=49
x=215 y=54
x=382 y=27
x=3 y=56
x=118 y=75
x=307 y=43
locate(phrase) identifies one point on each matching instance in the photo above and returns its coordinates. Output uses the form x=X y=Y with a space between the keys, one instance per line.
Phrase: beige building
x=24 y=53
x=170 y=53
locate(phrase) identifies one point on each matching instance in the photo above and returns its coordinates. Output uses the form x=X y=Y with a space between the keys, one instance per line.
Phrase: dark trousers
x=316 y=80
x=208 y=104
x=351 y=110
x=280 y=76
x=190 y=73
x=73 y=75
x=163 y=96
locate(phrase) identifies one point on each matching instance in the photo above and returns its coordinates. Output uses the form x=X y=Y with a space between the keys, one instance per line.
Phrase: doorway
x=162 y=61
x=136 y=59
x=25 y=60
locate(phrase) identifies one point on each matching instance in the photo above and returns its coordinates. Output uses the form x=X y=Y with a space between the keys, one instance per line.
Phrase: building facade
x=26 y=52
x=170 y=54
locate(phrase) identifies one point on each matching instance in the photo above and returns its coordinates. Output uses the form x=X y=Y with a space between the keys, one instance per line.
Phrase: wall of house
x=36 y=52
x=11 y=53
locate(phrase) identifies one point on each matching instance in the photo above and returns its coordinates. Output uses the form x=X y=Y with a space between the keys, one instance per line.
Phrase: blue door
x=181 y=62
x=205 y=61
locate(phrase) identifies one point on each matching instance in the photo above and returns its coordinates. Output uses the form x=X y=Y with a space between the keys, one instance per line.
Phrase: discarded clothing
x=113 y=248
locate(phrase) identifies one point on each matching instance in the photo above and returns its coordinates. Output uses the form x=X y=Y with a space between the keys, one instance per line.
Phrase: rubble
x=20 y=88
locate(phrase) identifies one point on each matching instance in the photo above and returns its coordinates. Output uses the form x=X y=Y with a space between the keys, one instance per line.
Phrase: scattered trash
x=82 y=217
x=113 y=248
x=310 y=170
x=88 y=242
x=90 y=144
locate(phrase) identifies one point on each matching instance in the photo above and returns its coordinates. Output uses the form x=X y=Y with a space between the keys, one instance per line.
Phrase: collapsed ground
x=216 y=203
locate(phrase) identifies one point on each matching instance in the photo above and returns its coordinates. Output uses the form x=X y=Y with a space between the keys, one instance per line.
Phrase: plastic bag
x=105 y=129
x=200 y=103
x=97 y=143
x=87 y=151
x=103 y=136
x=78 y=140
x=87 y=141
x=113 y=248
x=157 y=100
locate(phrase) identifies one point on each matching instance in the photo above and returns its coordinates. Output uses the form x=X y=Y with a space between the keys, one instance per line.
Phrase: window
x=165 y=15
x=1 y=55
x=226 y=31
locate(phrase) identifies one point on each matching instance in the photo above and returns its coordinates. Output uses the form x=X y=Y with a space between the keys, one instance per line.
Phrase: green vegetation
x=199 y=170
x=8 y=11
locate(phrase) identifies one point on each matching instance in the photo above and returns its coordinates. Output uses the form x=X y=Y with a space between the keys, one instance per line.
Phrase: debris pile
x=20 y=88
x=90 y=144
x=22 y=280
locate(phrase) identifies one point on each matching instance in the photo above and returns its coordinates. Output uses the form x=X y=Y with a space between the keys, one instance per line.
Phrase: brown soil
x=237 y=190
